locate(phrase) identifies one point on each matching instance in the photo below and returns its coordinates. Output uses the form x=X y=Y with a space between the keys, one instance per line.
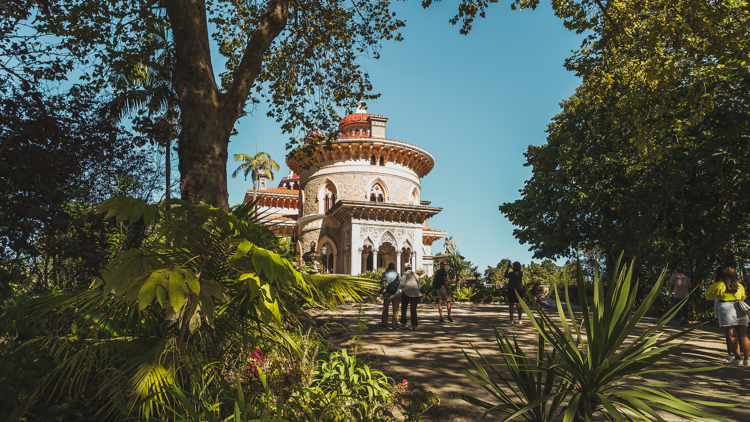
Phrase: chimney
x=377 y=125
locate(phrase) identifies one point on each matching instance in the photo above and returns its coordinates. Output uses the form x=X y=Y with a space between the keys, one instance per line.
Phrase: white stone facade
x=361 y=205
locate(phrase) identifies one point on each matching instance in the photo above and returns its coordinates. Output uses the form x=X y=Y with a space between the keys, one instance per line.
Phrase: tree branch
x=274 y=21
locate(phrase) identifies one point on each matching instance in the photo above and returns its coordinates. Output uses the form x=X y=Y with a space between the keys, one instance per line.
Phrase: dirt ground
x=431 y=358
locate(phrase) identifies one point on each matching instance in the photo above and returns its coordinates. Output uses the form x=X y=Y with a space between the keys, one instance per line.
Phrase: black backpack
x=436 y=282
x=392 y=288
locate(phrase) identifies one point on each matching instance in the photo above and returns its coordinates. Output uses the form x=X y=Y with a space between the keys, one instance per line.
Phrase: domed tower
x=360 y=207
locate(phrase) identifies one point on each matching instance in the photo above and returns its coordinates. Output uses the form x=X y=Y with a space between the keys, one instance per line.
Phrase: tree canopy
x=301 y=57
x=648 y=155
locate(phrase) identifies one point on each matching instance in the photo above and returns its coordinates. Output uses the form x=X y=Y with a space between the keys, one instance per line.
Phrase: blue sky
x=474 y=102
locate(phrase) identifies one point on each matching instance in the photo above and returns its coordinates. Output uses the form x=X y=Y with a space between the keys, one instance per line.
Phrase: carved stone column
x=398 y=262
x=374 y=259
x=356 y=267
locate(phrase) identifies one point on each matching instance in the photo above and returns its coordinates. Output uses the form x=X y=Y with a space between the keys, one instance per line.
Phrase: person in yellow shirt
x=729 y=291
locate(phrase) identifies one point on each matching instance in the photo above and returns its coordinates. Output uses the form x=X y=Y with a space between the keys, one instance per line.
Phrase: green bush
x=372 y=275
x=425 y=287
x=490 y=295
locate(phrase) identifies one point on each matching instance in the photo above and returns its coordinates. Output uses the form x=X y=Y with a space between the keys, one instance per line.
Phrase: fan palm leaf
x=145 y=318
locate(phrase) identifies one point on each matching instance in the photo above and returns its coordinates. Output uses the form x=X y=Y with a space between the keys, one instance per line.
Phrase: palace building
x=360 y=208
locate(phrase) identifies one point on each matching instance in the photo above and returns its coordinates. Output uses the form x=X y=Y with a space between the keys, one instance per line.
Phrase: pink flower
x=406 y=382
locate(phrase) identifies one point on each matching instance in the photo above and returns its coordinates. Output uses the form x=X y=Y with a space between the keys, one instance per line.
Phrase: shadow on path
x=431 y=358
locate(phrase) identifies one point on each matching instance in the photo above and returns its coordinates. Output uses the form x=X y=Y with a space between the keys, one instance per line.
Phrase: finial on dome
x=361 y=108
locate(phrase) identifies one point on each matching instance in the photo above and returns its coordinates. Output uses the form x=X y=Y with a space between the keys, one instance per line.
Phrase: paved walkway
x=431 y=357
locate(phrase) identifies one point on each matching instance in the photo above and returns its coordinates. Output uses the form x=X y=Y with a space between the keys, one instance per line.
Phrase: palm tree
x=458 y=269
x=150 y=87
x=261 y=163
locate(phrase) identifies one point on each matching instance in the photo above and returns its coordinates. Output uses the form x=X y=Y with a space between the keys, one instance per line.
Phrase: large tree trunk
x=203 y=153
x=207 y=114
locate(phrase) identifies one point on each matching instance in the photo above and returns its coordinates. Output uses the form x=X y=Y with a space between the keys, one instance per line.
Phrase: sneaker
x=510 y=321
x=402 y=326
x=729 y=358
x=737 y=362
x=414 y=328
x=519 y=322
x=746 y=362
x=450 y=319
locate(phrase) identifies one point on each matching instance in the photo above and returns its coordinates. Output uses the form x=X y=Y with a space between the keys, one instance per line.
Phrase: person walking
x=515 y=287
x=440 y=283
x=391 y=296
x=729 y=291
x=680 y=285
x=410 y=295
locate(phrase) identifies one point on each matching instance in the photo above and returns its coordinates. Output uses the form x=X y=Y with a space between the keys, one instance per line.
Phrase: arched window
x=373 y=160
x=415 y=197
x=328 y=201
x=326 y=197
x=376 y=193
x=382 y=161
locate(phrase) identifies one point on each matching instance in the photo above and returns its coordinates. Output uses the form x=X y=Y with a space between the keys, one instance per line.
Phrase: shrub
x=605 y=373
x=372 y=275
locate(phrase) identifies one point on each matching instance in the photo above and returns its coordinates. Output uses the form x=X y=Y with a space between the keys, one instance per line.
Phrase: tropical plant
x=147 y=88
x=537 y=390
x=346 y=389
x=458 y=269
x=605 y=373
x=425 y=287
x=465 y=293
x=260 y=163
x=206 y=284
x=372 y=274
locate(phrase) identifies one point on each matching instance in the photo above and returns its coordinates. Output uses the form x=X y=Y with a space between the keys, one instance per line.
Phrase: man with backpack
x=391 y=295
x=440 y=284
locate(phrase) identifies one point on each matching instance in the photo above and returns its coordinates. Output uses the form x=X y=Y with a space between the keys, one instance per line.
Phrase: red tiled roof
x=278 y=191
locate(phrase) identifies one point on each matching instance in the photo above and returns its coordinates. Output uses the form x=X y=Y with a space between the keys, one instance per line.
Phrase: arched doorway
x=367 y=264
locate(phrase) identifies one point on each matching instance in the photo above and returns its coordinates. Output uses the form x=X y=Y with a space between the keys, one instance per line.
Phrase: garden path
x=431 y=358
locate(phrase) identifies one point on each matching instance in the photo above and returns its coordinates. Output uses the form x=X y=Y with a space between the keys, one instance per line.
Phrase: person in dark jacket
x=515 y=288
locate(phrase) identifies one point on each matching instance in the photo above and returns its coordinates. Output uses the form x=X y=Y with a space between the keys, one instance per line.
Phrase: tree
x=261 y=163
x=594 y=188
x=148 y=89
x=299 y=56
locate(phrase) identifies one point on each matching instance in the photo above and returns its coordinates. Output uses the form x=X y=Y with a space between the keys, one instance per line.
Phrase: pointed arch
x=415 y=196
x=377 y=191
x=389 y=238
x=327 y=196
x=331 y=257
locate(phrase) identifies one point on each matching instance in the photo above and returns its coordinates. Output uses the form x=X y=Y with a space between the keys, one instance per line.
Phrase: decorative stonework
x=388 y=237
x=362 y=195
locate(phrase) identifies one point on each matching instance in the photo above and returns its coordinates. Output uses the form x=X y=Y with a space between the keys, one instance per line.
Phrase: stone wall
x=355 y=185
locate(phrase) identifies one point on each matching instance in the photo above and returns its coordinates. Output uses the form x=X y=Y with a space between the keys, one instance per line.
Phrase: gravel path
x=431 y=358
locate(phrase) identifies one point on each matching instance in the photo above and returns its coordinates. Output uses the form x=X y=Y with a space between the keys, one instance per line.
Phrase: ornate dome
x=360 y=118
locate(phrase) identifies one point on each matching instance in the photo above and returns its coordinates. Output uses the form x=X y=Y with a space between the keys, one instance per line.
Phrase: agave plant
x=536 y=390
x=605 y=373
x=208 y=277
